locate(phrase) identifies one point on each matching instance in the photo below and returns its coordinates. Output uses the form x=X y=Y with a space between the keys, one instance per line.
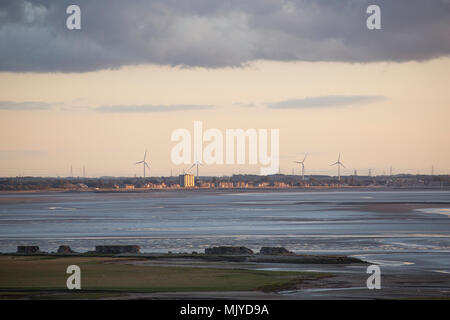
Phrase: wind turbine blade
x=192 y=166
x=341 y=164
x=139 y=162
x=146 y=164
x=333 y=164
x=339 y=157
x=145 y=154
x=305 y=157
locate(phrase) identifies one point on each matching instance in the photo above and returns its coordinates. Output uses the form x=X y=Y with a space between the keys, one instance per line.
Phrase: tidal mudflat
x=406 y=233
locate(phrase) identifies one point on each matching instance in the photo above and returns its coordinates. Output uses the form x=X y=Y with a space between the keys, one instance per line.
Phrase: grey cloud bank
x=212 y=34
x=325 y=101
x=37 y=105
x=25 y=105
x=151 y=108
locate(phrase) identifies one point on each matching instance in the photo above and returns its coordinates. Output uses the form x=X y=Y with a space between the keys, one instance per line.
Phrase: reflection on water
x=444 y=211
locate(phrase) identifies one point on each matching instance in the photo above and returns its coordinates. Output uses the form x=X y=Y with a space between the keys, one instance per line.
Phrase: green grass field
x=45 y=276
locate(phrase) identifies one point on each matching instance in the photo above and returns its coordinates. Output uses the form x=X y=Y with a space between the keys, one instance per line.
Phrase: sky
x=100 y=96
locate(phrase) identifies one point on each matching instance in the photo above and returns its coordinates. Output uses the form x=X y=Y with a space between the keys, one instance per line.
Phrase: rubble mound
x=65 y=249
x=228 y=250
x=28 y=249
x=275 y=251
x=117 y=249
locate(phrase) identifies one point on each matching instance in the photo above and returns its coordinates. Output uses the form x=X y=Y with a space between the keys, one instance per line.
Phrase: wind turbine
x=303 y=166
x=196 y=163
x=339 y=164
x=144 y=163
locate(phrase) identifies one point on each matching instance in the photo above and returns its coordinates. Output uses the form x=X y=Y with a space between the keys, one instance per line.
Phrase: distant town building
x=280 y=184
x=159 y=186
x=129 y=187
x=225 y=184
x=241 y=184
x=187 y=180
x=207 y=185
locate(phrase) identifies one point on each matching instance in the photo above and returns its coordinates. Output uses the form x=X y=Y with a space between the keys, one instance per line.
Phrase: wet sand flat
x=393 y=207
x=406 y=233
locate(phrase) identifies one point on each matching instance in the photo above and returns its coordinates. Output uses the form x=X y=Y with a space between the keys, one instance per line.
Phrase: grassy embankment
x=45 y=277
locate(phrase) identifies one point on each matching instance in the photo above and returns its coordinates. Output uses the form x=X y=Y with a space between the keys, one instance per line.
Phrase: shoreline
x=224 y=190
x=18 y=197
x=254 y=258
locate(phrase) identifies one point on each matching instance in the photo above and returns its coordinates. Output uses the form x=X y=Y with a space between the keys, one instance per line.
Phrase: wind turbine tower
x=303 y=166
x=196 y=163
x=339 y=164
x=144 y=163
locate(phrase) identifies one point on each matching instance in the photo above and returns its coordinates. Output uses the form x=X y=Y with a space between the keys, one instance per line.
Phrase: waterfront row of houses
x=234 y=181
x=188 y=181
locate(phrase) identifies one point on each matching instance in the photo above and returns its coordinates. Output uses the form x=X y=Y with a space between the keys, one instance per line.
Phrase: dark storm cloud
x=325 y=101
x=209 y=33
x=152 y=108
